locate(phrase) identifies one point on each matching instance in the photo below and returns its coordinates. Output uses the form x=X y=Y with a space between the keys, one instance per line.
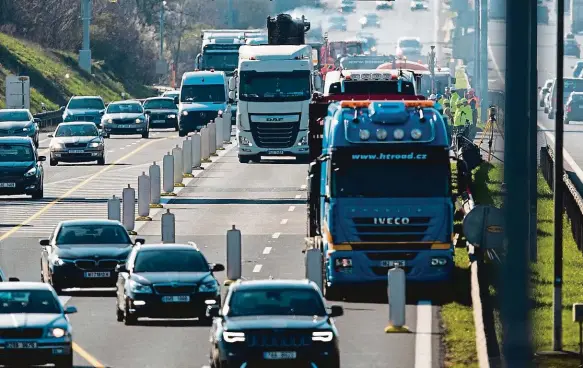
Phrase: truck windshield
x=372 y=88
x=275 y=86
x=221 y=61
x=351 y=63
x=441 y=81
x=416 y=174
x=203 y=93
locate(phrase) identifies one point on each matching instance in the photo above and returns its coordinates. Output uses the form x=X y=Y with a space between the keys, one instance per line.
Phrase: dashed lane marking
x=257 y=268
x=283 y=222
x=423 y=335
x=267 y=250
x=291 y=208
x=275 y=235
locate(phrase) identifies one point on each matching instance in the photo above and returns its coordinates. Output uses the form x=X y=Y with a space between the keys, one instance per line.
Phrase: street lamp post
x=85 y=52
x=432 y=68
x=161 y=66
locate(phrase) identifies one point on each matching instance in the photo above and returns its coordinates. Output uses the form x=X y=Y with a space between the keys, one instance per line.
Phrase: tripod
x=491 y=127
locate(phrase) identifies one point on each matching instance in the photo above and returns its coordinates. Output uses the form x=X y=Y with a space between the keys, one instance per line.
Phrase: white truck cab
x=374 y=83
x=274 y=85
x=203 y=96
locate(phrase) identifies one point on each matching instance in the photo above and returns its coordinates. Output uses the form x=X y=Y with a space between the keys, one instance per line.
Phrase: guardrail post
x=178 y=164
x=233 y=256
x=205 y=145
x=314 y=266
x=397 y=300
x=144 y=198
x=226 y=131
x=196 y=150
x=219 y=126
x=114 y=208
x=155 y=185
x=168 y=224
x=187 y=158
x=168 y=175
x=212 y=138
x=129 y=209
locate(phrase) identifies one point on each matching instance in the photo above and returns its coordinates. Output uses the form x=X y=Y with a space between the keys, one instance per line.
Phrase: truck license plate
x=7 y=185
x=95 y=275
x=275 y=152
x=176 y=299
x=392 y=263
x=279 y=355
x=21 y=345
x=76 y=151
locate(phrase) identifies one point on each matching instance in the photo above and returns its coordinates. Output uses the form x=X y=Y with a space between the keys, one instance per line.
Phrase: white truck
x=274 y=85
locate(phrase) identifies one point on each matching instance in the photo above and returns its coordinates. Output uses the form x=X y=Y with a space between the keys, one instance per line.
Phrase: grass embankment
x=542 y=277
x=55 y=75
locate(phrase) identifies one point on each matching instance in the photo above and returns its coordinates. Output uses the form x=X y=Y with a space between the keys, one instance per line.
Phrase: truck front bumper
x=248 y=147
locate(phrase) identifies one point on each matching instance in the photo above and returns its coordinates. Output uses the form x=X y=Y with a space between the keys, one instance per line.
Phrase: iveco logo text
x=273 y=119
x=391 y=220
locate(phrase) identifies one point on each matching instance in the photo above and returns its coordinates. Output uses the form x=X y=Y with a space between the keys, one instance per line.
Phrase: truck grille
x=198 y=118
x=275 y=135
x=283 y=339
x=175 y=289
x=368 y=231
x=21 y=333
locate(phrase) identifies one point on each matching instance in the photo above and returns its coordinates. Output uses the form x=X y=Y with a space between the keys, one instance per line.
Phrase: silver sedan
x=77 y=142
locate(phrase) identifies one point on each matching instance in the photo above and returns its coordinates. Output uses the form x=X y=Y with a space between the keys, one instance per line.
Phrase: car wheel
x=39 y=194
x=244 y=159
x=64 y=362
x=146 y=135
x=129 y=318
x=181 y=133
x=101 y=161
x=119 y=313
x=53 y=162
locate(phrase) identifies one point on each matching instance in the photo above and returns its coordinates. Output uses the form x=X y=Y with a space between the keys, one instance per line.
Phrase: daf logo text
x=274 y=119
x=391 y=220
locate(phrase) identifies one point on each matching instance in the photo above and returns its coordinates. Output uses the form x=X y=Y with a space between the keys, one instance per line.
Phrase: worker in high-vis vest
x=455 y=97
x=463 y=114
x=474 y=104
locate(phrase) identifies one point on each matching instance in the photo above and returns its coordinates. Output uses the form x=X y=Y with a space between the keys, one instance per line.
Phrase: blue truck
x=380 y=195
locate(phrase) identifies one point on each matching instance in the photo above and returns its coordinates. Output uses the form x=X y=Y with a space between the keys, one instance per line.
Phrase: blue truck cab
x=380 y=194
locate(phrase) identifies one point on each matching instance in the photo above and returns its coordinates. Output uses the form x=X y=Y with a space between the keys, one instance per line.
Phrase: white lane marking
x=267 y=250
x=110 y=151
x=121 y=148
x=303 y=186
x=298 y=196
x=283 y=222
x=275 y=235
x=64 y=299
x=291 y=208
x=14 y=321
x=257 y=268
x=423 y=335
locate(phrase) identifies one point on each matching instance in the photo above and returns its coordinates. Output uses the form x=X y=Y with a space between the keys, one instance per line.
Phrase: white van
x=203 y=96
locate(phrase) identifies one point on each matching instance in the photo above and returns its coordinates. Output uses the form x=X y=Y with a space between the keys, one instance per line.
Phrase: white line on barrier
x=276 y=235
x=267 y=250
x=257 y=268
x=291 y=208
x=283 y=222
x=423 y=334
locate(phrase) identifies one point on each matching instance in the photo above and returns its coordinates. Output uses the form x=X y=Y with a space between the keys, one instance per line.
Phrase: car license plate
x=7 y=185
x=21 y=345
x=176 y=299
x=159 y=121
x=392 y=263
x=96 y=275
x=279 y=355
x=76 y=151
x=124 y=126
x=275 y=152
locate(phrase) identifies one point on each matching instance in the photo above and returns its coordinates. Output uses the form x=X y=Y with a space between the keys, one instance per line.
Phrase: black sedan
x=85 y=253
x=19 y=123
x=166 y=281
x=572 y=48
x=21 y=169
x=125 y=118
x=77 y=142
x=162 y=112
x=283 y=321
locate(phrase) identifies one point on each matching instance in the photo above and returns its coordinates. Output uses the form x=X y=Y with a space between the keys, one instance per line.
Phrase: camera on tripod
x=492 y=112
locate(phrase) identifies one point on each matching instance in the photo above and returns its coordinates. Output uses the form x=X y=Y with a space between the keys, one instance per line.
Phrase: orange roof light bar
x=354 y=104
x=419 y=103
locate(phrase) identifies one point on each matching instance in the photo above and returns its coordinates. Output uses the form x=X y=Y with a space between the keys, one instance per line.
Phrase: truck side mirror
x=232 y=95
x=232 y=84
x=176 y=102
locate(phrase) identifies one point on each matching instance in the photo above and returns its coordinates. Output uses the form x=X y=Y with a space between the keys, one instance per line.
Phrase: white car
x=385 y=4
x=371 y=20
x=409 y=47
x=418 y=5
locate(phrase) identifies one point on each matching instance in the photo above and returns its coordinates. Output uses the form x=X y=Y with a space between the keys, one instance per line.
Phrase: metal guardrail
x=571 y=198
x=50 y=119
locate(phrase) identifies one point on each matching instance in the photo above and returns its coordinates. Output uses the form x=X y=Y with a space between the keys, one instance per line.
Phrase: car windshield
x=275 y=86
x=14 y=116
x=410 y=43
x=16 y=152
x=276 y=302
x=77 y=130
x=222 y=61
x=203 y=93
x=29 y=301
x=125 y=108
x=86 y=103
x=92 y=235
x=420 y=174
x=170 y=261
x=160 y=104
x=171 y=94
x=372 y=88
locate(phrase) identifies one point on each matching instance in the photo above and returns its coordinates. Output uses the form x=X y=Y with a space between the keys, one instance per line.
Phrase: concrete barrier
x=114 y=209
x=205 y=145
x=187 y=158
x=397 y=300
x=144 y=192
x=168 y=175
x=234 y=261
x=168 y=231
x=178 y=165
x=196 y=151
x=155 y=185
x=129 y=209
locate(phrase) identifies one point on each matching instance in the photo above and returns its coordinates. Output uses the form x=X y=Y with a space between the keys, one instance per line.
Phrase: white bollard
x=213 y=138
x=219 y=126
x=178 y=164
x=226 y=131
x=168 y=230
x=233 y=255
x=155 y=185
x=314 y=266
x=204 y=145
x=187 y=158
x=129 y=209
x=144 y=198
x=114 y=209
x=397 y=300
x=168 y=175
x=195 y=141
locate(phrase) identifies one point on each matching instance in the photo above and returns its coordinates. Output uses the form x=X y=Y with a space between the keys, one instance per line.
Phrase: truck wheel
x=244 y=159
x=332 y=293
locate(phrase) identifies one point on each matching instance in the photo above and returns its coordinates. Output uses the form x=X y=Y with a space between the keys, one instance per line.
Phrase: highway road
x=265 y=201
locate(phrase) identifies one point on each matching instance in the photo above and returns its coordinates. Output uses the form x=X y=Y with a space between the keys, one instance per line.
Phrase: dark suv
x=21 y=169
x=574 y=108
x=267 y=323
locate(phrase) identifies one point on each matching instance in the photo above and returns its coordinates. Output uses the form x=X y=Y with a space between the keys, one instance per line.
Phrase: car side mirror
x=102 y=112
x=336 y=311
x=37 y=120
x=213 y=311
x=217 y=267
x=103 y=133
x=13 y=279
x=42 y=158
x=140 y=241
x=147 y=112
x=50 y=135
x=121 y=268
x=70 y=310
x=176 y=102
x=44 y=242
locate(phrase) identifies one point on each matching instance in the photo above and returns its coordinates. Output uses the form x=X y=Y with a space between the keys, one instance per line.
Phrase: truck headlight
x=231 y=337
x=438 y=261
x=244 y=142
x=136 y=287
x=303 y=141
x=184 y=113
x=57 y=332
x=322 y=336
x=31 y=172
x=109 y=121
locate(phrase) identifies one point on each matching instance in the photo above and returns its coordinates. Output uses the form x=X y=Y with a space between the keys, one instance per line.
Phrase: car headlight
x=57 y=145
x=109 y=121
x=231 y=337
x=207 y=287
x=139 y=120
x=26 y=129
x=31 y=172
x=172 y=116
x=184 y=113
x=57 y=261
x=94 y=144
x=136 y=287
x=322 y=336
x=244 y=141
x=57 y=332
